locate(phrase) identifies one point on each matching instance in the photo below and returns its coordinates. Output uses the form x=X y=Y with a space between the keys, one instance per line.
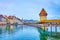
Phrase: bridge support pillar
x=44 y=28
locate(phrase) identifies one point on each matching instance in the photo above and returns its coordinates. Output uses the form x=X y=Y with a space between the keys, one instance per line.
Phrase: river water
x=22 y=32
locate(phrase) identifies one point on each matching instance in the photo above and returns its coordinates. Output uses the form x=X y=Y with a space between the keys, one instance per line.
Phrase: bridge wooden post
x=56 y=28
x=45 y=26
x=51 y=30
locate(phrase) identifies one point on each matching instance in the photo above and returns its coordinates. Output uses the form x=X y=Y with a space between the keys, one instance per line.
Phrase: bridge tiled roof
x=58 y=21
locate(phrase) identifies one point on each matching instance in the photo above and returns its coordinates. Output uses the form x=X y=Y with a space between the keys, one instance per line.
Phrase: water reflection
x=9 y=28
x=24 y=32
x=49 y=34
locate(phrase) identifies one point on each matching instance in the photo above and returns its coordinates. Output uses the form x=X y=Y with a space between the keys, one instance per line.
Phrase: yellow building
x=43 y=18
x=43 y=15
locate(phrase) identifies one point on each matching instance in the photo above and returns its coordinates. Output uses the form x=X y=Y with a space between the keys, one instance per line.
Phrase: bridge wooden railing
x=41 y=24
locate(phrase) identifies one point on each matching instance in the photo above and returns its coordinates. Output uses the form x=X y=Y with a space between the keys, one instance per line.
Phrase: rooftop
x=43 y=12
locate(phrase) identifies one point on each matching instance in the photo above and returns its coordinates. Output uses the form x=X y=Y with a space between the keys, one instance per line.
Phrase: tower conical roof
x=43 y=12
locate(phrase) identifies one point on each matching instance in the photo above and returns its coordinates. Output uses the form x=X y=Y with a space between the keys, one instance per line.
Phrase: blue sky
x=30 y=9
